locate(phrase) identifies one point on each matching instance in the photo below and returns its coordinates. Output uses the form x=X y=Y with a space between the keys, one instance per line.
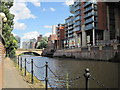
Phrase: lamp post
x=2 y=19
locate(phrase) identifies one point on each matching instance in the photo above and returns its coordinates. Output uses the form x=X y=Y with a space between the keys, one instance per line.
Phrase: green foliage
x=43 y=43
x=10 y=41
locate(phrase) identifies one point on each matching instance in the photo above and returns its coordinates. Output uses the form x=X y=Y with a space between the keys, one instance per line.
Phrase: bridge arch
x=21 y=51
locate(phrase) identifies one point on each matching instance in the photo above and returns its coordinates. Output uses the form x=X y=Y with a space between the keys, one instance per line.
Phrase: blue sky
x=32 y=19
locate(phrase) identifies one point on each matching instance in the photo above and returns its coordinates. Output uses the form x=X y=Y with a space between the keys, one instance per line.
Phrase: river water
x=70 y=72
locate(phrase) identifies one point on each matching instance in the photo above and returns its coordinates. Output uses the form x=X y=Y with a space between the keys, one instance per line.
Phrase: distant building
x=60 y=36
x=19 y=41
x=54 y=29
x=25 y=45
x=30 y=44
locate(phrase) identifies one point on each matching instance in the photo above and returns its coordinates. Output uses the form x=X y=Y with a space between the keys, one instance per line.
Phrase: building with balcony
x=69 y=40
x=94 y=22
x=60 y=36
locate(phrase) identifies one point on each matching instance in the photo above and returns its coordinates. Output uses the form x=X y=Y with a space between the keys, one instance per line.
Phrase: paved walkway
x=12 y=78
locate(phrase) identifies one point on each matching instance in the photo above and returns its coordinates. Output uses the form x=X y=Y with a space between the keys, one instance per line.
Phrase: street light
x=2 y=19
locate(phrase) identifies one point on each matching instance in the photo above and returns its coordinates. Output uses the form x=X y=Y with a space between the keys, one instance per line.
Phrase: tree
x=42 y=44
x=10 y=41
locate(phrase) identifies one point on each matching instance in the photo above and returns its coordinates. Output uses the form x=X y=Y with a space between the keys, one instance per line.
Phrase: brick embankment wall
x=2 y=54
x=111 y=53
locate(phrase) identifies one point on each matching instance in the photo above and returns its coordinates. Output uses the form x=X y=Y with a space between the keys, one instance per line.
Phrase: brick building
x=2 y=55
x=60 y=36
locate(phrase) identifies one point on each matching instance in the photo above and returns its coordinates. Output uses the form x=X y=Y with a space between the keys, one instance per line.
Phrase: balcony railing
x=77 y=13
x=77 y=8
x=88 y=21
x=90 y=14
x=88 y=9
x=76 y=3
x=87 y=3
x=89 y=27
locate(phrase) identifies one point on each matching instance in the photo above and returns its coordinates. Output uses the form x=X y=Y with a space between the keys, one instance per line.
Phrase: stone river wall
x=111 y=53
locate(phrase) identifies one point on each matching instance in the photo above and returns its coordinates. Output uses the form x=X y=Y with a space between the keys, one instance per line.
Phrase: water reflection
x=104 y=72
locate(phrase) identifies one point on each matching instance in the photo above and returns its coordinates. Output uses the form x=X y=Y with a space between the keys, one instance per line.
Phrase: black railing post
x=32 y=80
x=25 y=66
x=87 y=77
x=46 y=76
x=21 y=64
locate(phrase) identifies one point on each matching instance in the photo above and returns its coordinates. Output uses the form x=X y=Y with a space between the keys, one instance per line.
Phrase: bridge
x=22 y=51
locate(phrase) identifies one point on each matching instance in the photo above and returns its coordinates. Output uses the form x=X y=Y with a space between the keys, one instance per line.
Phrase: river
x=71 y=72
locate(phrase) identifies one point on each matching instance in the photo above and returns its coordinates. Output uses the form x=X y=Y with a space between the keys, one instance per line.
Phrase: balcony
x=71 y=32
x=71 y=7
x=70 y=27
x=77 y=13
x=70 y=24
x=90 y=14
x=77 y=8
x=77 y=23
x=76 y=4
x=89 y=27
x=87 y=4
x=77 y=18
x=88 y=21
x=88 y=9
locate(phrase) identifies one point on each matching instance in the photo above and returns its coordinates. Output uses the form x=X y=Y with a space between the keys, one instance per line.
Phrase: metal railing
x=47 y=68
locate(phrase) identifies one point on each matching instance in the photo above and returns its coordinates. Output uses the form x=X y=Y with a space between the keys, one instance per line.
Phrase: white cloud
x=19 y=26
x=31 y=35
x=69 y=2
x=44 y=9
x=14 y=34
x=47 y=26
x=53 y=9
x=22 y=12
x=48 y=34
x=49 y=9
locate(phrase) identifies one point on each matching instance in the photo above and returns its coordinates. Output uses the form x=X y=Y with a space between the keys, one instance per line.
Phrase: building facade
x=2 y=56
x=93 y=23
x=69 y=40
x=30 y=44
x=60 y=36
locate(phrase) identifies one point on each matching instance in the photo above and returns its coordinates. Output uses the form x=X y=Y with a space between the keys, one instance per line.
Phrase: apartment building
x=93 y=23
x=69 y=40
x=60 y=36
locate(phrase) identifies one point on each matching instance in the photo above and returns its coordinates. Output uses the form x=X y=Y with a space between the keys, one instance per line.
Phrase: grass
x=37 y=83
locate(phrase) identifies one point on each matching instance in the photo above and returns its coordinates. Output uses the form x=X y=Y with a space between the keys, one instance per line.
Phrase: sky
x=34 y=17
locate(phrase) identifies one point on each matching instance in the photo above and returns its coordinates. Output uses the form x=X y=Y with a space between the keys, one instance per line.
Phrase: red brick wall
x=62 y=34
x=82 y=13
x=102 y=16
x=2 y=53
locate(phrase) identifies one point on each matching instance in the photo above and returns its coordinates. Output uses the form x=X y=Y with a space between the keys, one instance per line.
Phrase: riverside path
x=11 y=77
